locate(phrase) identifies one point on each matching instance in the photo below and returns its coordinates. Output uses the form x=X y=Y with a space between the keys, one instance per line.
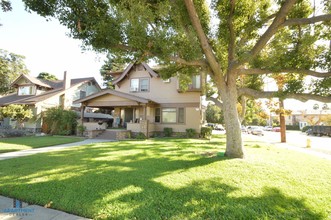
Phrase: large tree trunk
x=234 y=143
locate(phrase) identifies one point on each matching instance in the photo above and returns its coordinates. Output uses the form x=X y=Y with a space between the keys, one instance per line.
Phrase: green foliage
x=11 y=66
x=304 y=129
x=47 y=76
x=110 y=65
x=206 y=132
x=5 y=6
x=60 y=122
x=20 y=113
x=214 y=114
x=190 y=132
x=321 y=86
x=140 y=136
x=293 y=127
x=167 y=132
x=10 y=133
x=255 y=114
x=81 y=129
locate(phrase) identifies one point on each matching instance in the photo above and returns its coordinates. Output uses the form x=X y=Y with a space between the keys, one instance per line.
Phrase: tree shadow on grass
x=118 y=181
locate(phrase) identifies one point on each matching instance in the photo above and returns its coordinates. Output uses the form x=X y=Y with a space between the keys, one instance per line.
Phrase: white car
x=257 y=131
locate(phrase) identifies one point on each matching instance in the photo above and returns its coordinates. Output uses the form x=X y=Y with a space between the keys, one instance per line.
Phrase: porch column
x=82 y=110
x=145 y=112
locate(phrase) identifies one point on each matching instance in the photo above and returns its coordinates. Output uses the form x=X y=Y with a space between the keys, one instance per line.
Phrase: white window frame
x=176 y=111
x=26 y=90
x=134 y=87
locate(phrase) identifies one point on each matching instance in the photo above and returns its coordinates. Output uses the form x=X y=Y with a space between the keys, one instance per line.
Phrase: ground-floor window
x=170 y=115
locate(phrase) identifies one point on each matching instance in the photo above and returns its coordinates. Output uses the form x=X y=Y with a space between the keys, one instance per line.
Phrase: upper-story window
x=139 y=85
x=26 y=90
x=196 y=82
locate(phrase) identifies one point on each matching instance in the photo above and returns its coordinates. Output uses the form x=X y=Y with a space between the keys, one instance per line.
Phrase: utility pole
x=282 y=121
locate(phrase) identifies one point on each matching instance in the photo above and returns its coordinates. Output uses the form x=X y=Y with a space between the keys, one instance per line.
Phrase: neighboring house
x=307 y=117
x=41 y=94
x=143 y=102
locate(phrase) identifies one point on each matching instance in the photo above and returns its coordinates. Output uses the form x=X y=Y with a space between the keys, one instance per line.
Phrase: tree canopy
x=11 y=66
x=18 y=112
x=110 y=65
x=227 y=39
x=47 y=76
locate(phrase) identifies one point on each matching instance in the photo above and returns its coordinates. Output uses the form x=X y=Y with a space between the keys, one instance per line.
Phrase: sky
x=45 y=45
x=47 y=48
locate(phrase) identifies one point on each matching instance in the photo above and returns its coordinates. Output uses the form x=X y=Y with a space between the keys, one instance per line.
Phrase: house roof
x=55 y=87
x=32 y=79
x=129 y=68
x=115 y=93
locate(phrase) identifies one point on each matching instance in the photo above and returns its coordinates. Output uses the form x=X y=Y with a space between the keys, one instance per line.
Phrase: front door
x=128 y=115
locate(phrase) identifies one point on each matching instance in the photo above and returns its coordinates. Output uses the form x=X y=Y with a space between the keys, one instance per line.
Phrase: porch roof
x=100 y=99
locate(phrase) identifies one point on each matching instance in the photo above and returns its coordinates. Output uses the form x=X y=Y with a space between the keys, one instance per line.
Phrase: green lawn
x=173 y=179
x=24 y=143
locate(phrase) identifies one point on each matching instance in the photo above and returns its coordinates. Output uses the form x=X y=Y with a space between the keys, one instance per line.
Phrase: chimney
x=66 y=81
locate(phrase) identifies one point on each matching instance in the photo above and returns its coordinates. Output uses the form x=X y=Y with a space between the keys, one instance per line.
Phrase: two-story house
x=40 y=94
x=143 y=102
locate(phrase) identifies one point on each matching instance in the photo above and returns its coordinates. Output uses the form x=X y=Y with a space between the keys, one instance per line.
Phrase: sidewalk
x=31 y=212
x=23 y=153
x=303 y=150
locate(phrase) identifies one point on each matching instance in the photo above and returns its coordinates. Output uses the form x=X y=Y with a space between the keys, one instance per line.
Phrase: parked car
x=219 y=127
x=276 y=129
x=320 y=130
x=250 y=128
x=243 y=129
x=257 y=131
x=267 y=128
x=211 y=125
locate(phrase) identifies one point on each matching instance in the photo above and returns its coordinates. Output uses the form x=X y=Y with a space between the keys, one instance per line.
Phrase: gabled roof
x=32 y=79
x=56 y=88
x=129 y=68
x=115 y=93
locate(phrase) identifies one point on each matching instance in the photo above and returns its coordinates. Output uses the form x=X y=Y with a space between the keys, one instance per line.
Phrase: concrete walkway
x=23 y=153
x=31 y=212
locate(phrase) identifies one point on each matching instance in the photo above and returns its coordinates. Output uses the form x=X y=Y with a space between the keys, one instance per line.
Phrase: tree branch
x=298 y=96
x=301 y=21
x=204 y=43
x=216 y=101
x=277 y=22
x=179 y=60
x=303 y=71
x=231 y=48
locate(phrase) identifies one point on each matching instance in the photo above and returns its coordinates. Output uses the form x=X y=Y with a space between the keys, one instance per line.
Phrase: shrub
x=304 y=129
x=190 y=133
x=293 y=127
x=167 y=132
x=141 y=136
x=5 y=132
x=60 y=121
x=206 y=132
x=81 y=129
